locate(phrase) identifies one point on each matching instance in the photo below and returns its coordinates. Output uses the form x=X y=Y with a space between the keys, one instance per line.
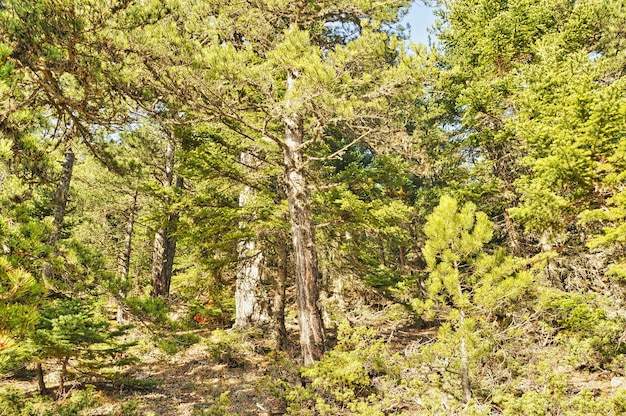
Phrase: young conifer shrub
x=472 y=289
x=68 y=329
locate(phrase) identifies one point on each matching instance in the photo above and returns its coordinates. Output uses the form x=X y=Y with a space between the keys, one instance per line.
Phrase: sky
x=420 y=17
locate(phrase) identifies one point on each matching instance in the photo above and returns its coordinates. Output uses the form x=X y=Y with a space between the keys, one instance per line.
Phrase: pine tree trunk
x=61 y=196
x=123 y=269
x=248 y=304
x=40 y=380
x=280 y=285
x=465 y=380
x=170 y=244
x=164 y=244
x=58 y=209
x=307 y=272
x=63 y=376
x=158 y=259
x=249 y=296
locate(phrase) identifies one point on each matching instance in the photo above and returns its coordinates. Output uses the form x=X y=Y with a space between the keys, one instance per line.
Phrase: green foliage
x=70 y=329
x=225 y=347
x=520 y=108
x=344 y=378
x=152 y=309
x=461 y=273
x=591 y=337
x=211 y=314
x=13 y=402
x=550 y=401
x=172 y=344
x=21 y=295
x=221 y=407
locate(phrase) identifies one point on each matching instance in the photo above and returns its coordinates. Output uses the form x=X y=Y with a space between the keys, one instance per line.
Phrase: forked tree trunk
x=302 y=232
x=164 y=244
x=250 y=301
x=163 y=255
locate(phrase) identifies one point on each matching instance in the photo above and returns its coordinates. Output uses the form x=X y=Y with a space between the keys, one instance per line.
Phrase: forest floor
x=218 y=372
x=222 y=372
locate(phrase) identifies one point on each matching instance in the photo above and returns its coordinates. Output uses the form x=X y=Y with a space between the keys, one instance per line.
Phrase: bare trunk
x=280 y=285
x=60 y=198
x=248 y=305
x=164 y=244
x=40 y=380
x=551 y=270
x=63 y=377
x=465 y=381
x=58 y=210
x=158 y=260
x=123 y=269
x=307 y=272
x=250 y=299
x=170 y=244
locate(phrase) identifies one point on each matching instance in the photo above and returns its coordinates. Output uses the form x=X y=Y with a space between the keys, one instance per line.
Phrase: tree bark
x=59 y=204
x=158 y=260
x=302 y=233
x=280 y=285
x=249 y=296
x=164 y=244
x=40 y=380
x=123 y=268
x=61 y=196
x=170 y=243
x=248 y=304
x=62 y=378
x=465 y=379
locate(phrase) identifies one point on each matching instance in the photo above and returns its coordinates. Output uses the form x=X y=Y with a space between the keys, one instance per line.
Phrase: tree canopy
x=377 y=226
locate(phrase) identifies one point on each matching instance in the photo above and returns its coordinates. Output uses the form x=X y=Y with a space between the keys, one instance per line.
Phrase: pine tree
x=68 y=329
x=298 y=74
x=466 y=284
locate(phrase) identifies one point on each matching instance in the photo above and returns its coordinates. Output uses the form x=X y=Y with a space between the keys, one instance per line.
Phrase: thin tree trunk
x=307 y=272
x=164 y=244
x=59 y=204
x=249 y=296
x=62 y=377
x=61 y=196
x=465 y=380
x=170 y=243
x=124 y=261
x=40 y=380
x=123 y=270
x=158 y=260
x=58 y=213
x=280 y=285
